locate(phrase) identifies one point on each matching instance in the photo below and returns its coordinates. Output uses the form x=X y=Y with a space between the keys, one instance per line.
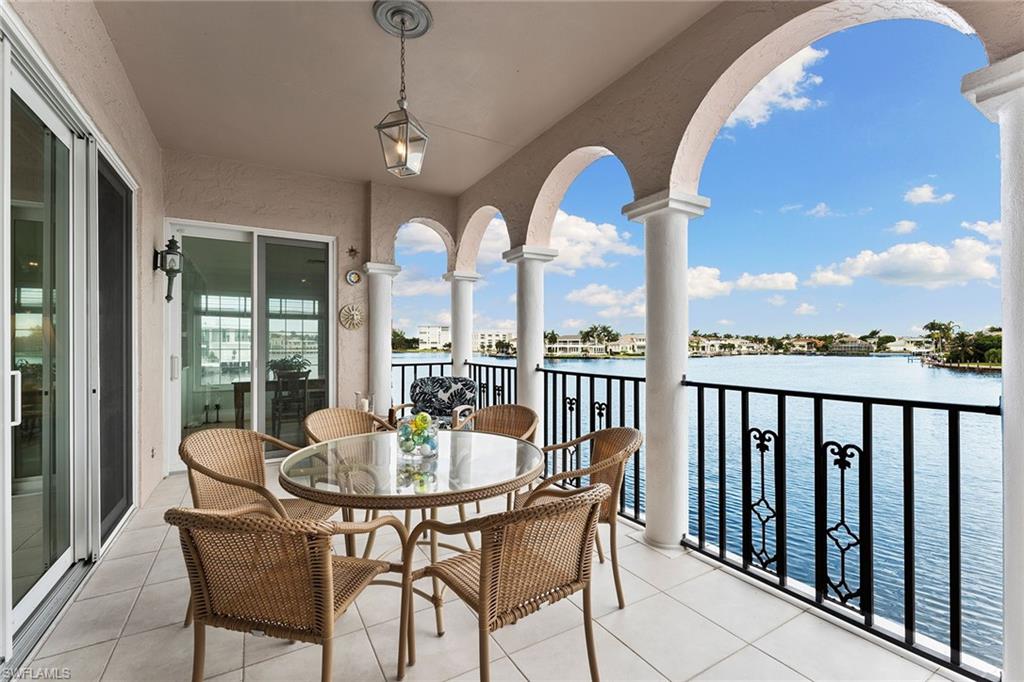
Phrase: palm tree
x=599 y=333
x=551 y=337
x=962 y=347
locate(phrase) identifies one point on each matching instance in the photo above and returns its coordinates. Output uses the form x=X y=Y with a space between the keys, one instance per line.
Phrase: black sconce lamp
x=168 y=260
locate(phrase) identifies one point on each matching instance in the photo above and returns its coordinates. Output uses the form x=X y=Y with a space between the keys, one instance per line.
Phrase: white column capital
x=389 y=269
x=461 y=276
x=692 y=205
x=527 y=252
x=993 y=87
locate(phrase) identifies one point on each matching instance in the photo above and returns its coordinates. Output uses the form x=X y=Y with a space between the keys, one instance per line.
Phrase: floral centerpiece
x=417 y=435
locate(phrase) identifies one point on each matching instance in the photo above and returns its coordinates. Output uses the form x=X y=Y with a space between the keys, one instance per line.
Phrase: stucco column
x=665 y=221
x=378 y=281
x=998 y=91
x=462 y=319
x=529 y=262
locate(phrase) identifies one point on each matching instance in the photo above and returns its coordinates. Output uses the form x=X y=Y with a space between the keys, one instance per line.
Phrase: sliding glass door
x=261 y=366
x=40 y=230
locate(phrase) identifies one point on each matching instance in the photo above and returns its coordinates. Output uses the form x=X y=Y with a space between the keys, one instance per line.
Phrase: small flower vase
x=417 y=436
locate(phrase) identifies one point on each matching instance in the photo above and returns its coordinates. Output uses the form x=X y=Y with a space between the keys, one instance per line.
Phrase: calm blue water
x=893 y=377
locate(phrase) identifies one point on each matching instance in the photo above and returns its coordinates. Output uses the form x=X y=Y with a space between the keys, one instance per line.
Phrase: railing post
x=666 y=218
x=998 y=91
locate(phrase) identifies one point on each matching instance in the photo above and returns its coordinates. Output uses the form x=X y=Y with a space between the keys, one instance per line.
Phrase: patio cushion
x=438 y=396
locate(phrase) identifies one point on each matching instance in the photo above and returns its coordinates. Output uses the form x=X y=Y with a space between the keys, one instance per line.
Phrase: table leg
x=350 y=540
x=437 y=594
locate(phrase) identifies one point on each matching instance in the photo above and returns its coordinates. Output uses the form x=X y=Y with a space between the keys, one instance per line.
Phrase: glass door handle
x=175 y=367
x=16 y=419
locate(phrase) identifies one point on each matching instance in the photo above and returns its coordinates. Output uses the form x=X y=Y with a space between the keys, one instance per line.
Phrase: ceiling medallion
x=350 y=316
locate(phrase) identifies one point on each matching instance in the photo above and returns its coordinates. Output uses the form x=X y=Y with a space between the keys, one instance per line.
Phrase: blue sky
x=854 y=188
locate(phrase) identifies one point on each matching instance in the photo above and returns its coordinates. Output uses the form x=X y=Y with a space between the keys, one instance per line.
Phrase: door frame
x=22 y=58
x=178 y=227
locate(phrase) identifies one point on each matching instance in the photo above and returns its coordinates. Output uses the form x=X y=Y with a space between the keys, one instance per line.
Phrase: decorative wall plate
x=353 y=277
x=350 y=316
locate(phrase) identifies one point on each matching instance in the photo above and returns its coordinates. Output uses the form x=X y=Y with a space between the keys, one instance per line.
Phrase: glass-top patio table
x=370 y=472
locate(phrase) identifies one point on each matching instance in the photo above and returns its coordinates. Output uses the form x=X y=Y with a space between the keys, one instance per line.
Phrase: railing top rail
x=594 y=375
x=424 y=363
x=840 y=397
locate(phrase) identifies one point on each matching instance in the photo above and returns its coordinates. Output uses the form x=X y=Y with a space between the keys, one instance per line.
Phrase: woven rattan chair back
x=616 y=444
x=517 y=421
x=339 y=422
x=233 y=452
x=537 y=555
x=255 y=573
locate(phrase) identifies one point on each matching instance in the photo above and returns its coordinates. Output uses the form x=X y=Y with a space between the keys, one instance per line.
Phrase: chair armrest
x=279 y=443
x=457 y=420
x=540 y=496
x=381 y=424
x=271 y=499
x=354 y=528
x=577 y=473
x=394 y=411
x=568 y=444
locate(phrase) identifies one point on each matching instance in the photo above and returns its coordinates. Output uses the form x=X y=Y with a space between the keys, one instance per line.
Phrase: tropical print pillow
x=438 y=396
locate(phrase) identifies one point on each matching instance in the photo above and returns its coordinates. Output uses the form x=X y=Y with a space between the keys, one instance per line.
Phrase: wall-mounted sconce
x=168 y=260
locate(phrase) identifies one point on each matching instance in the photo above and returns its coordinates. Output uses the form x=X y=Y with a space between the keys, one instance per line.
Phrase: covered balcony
x=756 y=538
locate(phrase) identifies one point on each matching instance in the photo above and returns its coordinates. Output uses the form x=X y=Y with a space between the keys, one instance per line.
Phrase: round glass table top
x=369 y=471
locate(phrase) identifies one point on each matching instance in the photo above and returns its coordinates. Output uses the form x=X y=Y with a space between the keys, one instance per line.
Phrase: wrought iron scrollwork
x=841 y=535
x=761 y=508
x=600 y=410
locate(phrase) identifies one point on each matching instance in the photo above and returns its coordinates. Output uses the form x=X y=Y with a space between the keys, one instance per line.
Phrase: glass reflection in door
x=216 y=334
x=40 y=485
x=294 y=300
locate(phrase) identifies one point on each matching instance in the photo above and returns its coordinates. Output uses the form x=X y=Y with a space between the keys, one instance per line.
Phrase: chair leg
x=485 y=656
x=600 y=549
x=469 y=536
x=588 y=628
x=613 y=537
x=372 y=537
x=188 y=612
x=325 y=661
x=198 y=652
x=405 y=636
x=438 y=602
x=350 y=540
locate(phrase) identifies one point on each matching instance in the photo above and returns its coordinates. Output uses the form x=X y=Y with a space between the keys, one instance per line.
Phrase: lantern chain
x=401 y=91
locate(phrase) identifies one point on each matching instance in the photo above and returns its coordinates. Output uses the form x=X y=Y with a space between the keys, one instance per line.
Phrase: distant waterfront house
x=714 y=345
x=850 y=345
x=804 y=345
x=913 y=345
x=572 y=344
x=630 y=344
x=434 y=336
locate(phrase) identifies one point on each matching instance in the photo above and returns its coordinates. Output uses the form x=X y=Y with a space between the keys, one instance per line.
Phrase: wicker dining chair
x=529 y=557
x=226 y=471
x=610 y=450
x=339 y=422
x=253 y=573
x=517 y=421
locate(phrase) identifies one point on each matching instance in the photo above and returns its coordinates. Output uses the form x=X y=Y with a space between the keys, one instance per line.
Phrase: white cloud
x=828 y=277
x=820 y=210
x=903 y=227
x=784 y=88
x=706 y=282
x=573 y=323
x=418 y=238
x=585 y=244
x=410 y=282
x=443 y=317
x=918 y=264
x=482 y=322
x=805 y=309
x=925 y=194
x=726 y=323
x=612 y=302
x=777 y=300
x=512 y=298
x=790 y=207
x=992 y=231
x=494 y=243
x=768 y=281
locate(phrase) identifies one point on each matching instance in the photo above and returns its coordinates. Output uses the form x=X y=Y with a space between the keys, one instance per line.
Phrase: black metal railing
x=404 y=373
x=577 y=403
x=848 y=474
x=496 y=384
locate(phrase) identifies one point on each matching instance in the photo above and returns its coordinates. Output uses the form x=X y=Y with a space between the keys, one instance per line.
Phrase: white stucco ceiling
x=300 y=85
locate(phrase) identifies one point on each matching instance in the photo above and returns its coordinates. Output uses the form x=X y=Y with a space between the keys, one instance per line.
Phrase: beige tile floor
x=686 y=619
